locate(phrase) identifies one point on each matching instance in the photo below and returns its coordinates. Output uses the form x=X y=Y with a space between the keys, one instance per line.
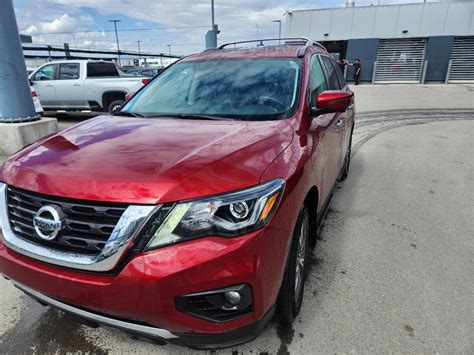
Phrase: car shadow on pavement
x=45 y=330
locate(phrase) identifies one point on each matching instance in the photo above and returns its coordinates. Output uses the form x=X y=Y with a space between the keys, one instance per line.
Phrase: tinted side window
x=340 y=74
x=147 y=73
x=133 y=72
x=333 y=82
x=45 y=73
x=101 y=69
x=69 y=71
x=317 y=81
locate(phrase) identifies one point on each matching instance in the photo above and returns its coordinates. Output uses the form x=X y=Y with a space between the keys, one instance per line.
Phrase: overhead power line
x=118 y=30
x=48 y=48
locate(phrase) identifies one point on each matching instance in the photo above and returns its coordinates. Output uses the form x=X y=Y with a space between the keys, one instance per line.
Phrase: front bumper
x=140 y=298
x=198 y=341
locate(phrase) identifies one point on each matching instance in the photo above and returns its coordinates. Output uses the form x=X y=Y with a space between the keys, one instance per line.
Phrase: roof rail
x=288 y=40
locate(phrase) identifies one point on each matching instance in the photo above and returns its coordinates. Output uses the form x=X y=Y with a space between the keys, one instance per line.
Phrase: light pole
x=139 y=54
x=169 y=49
x=279 y=30
x=16 y=104
x=213 y=22
x=74 y=39
x=211 y=35
x=258 y=30
x=116 y=38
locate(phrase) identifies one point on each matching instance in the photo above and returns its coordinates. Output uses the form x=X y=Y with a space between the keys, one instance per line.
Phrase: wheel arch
x=111 y=95
x=311 y=202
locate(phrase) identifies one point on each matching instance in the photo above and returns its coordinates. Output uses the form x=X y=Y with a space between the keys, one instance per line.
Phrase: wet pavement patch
x=311 y=264
x=45 y=330
x=409 y=330
x=332 y=210
x=285 y=334
x=319 y=236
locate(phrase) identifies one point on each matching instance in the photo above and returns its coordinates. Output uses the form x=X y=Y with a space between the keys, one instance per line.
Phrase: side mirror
x=332 y=101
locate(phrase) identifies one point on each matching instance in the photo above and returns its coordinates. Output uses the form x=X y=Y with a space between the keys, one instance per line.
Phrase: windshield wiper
x=126 y=113
x=192 y=117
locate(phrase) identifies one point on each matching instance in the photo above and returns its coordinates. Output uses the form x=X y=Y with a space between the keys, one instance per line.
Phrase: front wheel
x=115 y=105
x=290 y=298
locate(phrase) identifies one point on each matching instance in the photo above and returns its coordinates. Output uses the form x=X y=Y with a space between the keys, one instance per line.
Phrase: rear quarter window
x=340 y=74
x=333 y=81
x=68 y=71
x=96 y=70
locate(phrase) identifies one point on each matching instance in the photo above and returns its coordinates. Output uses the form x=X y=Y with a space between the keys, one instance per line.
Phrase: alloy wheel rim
x=300 y=258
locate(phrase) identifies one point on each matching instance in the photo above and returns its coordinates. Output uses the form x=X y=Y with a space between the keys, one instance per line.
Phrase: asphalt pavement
x=393 y=267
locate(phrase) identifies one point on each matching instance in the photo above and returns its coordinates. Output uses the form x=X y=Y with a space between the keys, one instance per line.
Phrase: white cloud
x=30 y=30
x=60 y=24
x=236 y=19
x=63 y=23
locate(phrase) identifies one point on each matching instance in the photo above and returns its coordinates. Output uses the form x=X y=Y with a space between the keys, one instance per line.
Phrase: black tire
x=347 y=162
x=290 y=298
x=115 y=105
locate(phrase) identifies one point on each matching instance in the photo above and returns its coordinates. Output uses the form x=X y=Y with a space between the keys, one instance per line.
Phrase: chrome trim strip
x=123 y=235
x=143 y=329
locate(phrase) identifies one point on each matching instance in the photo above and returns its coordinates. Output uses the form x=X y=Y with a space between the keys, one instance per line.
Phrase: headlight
x=2 y=192
x=228 y=215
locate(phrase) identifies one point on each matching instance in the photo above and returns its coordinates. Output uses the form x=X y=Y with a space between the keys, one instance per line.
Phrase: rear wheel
x=115 y=105
x=290 y=298
x=347 y=162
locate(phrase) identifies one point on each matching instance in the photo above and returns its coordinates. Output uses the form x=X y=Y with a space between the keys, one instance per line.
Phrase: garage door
x=462 y=56
x=400 y=60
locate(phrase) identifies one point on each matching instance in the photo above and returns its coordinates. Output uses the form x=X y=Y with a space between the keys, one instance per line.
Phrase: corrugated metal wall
x=389 y=21
x=400 y=60
x=462 y=67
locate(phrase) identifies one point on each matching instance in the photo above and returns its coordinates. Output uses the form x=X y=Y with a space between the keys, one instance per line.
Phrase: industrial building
x=428 y=42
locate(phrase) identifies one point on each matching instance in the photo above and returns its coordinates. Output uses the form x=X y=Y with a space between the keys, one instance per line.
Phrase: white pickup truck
x=79 y=85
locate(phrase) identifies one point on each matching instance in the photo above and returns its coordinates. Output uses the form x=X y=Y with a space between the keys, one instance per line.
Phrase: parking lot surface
x=392 y=268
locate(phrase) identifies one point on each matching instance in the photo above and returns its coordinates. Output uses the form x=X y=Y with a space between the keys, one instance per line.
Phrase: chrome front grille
x=87 y=225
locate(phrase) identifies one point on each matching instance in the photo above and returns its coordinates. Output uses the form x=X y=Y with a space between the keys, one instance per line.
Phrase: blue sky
x=58 y=21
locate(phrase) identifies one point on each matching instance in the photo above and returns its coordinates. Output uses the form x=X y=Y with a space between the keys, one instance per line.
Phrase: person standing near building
x=342 y=63
x=357 y=71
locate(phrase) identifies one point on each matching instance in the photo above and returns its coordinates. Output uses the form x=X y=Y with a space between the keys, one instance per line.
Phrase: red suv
x=186 y=216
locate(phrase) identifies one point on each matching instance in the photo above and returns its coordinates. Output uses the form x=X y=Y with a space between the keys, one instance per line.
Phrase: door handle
x=339 y=123
x=49 y=85
x=77 y=84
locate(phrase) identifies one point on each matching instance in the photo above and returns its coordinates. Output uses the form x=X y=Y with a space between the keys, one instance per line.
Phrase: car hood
x=148 y=161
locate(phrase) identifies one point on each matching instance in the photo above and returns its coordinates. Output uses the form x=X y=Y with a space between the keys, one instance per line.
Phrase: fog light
x=221 y=305
x=233 y=297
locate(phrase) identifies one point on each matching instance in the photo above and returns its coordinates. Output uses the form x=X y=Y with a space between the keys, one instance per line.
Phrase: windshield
x=245 y=89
